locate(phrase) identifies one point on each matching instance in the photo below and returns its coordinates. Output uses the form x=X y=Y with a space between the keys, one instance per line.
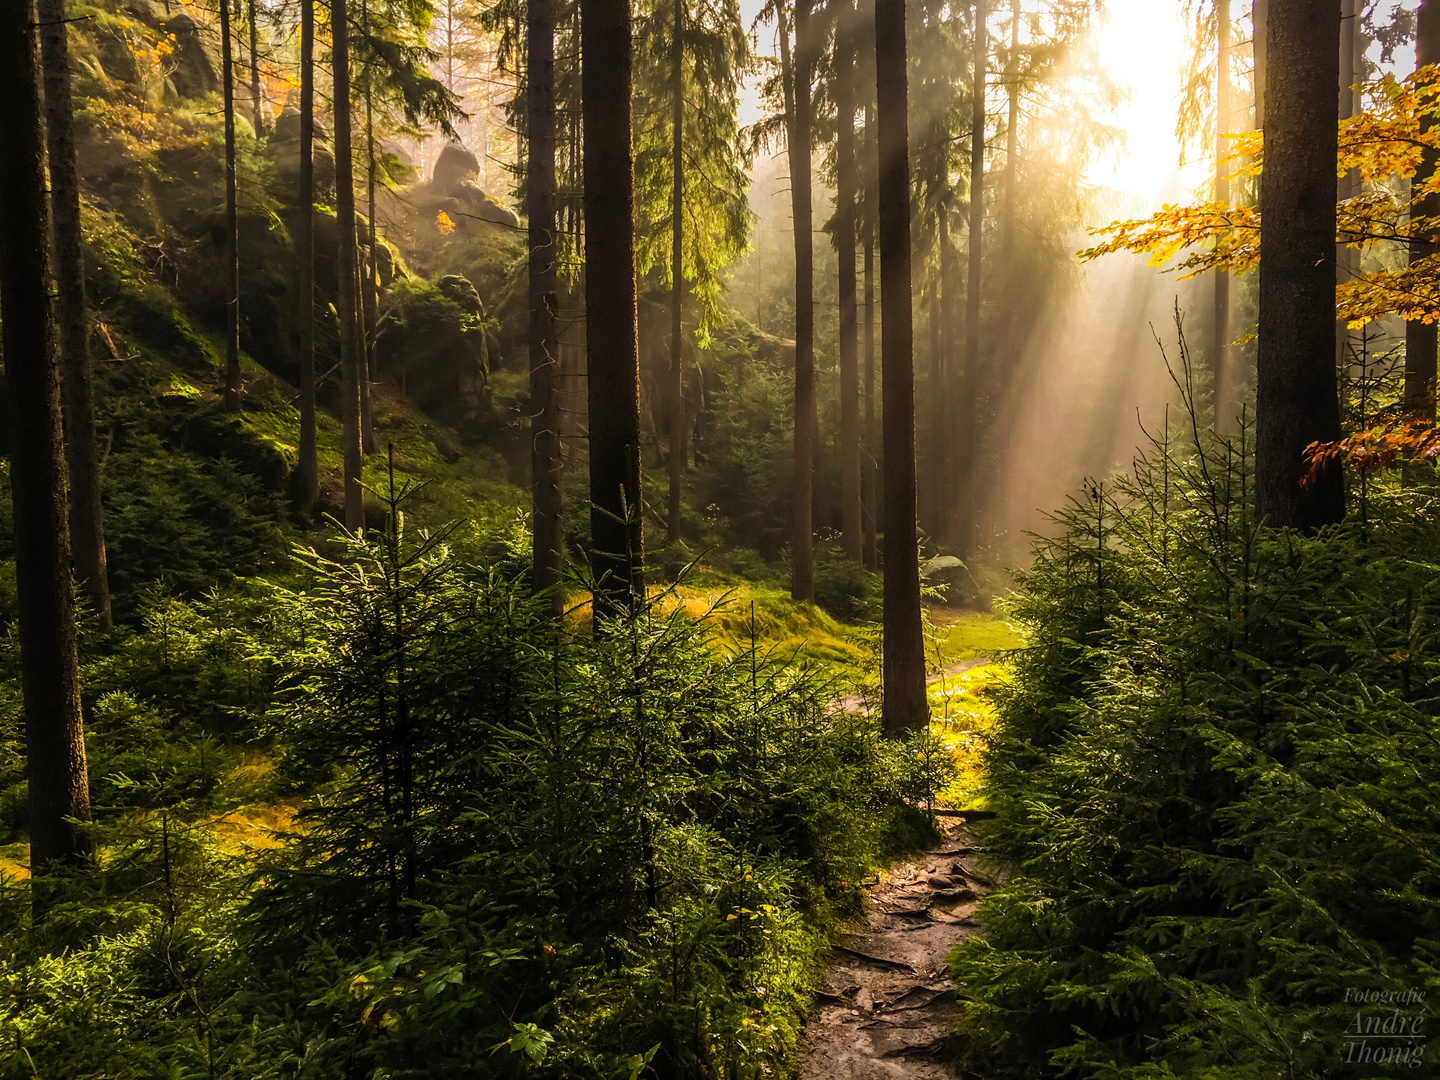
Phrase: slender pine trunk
x=968 y=420
x=545 y=457
x=1260 y=20
x=87 y=517
x=1222 y=363
x=1421 y=338
x=610 y=305
x=678 y=448
x=1296 y=397
x=369 y=299
x=1012 y=136
x=232 y=220
x=851 y=530
x=345 y=270
x=307 y=472
x=872 y=444
x=906 y=708
x=257 y=103
x=802 y=575
x=49 y=676
x=944 y=457
x=1347 y=259
x=928 y=494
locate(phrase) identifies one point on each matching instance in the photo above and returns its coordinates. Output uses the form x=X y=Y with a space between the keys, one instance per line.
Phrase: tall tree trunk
x=87 y=518
x=49 y=677
x=677 y=274
x=232 y=220
x=966 y=440
x=851 y=530
x=929 y=496
x=1297 y=401
x=346 y=277
x=871 y=443
x=367 y=431
x=369 y=302
x=1347 y=259
x=610 y=306
x=1260 y=21
x=257 y=104
x=944 y=459
x=545 y=458
x=798 y=109
x=906 y=708
x=1421 y=338
x=307 y=472
x=1220 y=347
x=1012 y=133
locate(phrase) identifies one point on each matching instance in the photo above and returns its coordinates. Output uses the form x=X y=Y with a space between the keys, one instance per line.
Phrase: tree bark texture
x=49 y=679
x=806 y=434
x=232 y=219
x=346 y=276
x=851 y=530
x=1421 y=338
x=677 y=274
x=905 y=708
x=965 y=433
x=1297 y=401
x=617 y=547
x=307 y=473
x=87 y=515
x=545 y=458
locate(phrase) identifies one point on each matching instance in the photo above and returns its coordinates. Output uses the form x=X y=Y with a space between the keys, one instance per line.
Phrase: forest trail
x=886 y=1003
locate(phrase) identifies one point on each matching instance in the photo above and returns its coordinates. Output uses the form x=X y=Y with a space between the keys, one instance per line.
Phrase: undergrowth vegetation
x=523 y=849
x=1214 y=769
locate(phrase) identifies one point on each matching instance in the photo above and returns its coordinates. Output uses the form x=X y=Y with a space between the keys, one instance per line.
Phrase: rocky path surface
x=887 y=1002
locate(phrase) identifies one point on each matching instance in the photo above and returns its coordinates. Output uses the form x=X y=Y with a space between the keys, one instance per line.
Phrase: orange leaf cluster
x=1399 y=441
x=1385 y=140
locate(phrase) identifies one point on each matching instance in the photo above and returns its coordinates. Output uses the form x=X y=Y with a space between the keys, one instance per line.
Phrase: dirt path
x=886 y=1003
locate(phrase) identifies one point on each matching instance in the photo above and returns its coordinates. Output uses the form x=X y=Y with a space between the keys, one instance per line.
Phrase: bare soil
x=887 y=1003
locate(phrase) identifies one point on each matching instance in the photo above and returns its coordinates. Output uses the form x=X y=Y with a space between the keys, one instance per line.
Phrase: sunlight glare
x=1142 y=45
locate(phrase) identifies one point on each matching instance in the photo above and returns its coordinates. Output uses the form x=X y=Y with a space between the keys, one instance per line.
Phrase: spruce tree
x=307 y=473
x=969 y=419
x=232 y=220
x=1297 y=401
x=798 y=144
x=1420 y=337
x=851 y=529
x=906 y=707
x=87 y=518
x=49 y=677
x=544 y=341
x=613 y=355
x=346 y=272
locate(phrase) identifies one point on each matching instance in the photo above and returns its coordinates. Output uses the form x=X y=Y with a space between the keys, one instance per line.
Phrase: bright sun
x=1141 y=44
